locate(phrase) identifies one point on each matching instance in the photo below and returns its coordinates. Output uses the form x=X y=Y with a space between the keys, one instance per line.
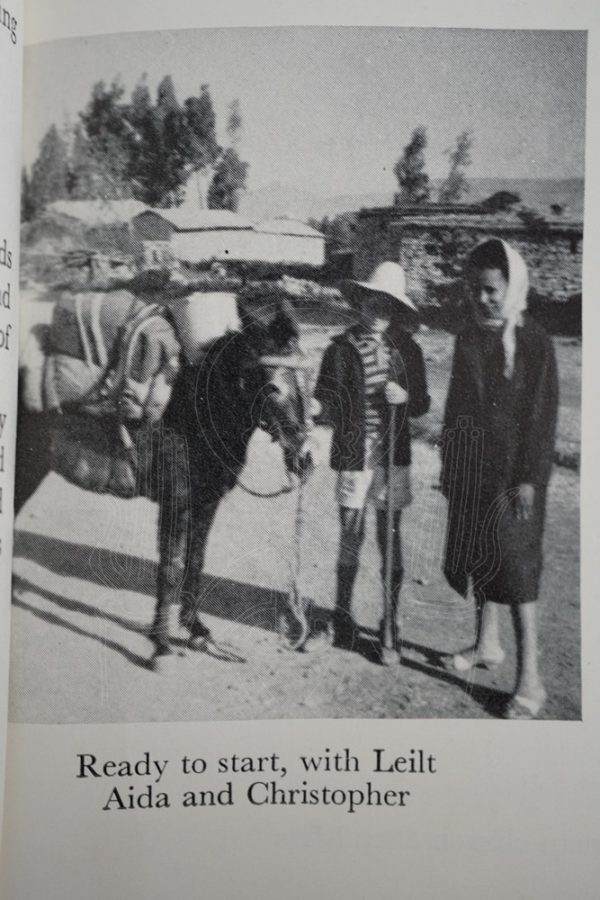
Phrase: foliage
x=200 y=140
x=234 y=123
x=230 y=172
x=141 y=148
x=83 y=178
x=456 y=185
x=157 y=165
x=338 y=230
x=228 y=182
x=534 y=222
x=109 y=140
x=413 y=181
x=27 y=200
x=49 y=172
x=502 y=201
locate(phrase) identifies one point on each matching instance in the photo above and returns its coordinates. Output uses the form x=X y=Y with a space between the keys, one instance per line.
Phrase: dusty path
x=84 y=597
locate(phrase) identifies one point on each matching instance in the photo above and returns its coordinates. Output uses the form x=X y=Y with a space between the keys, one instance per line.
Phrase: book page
x=11 y=62
x=303 y=556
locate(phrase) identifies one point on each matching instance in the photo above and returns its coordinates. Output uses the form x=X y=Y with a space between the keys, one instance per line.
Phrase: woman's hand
x=394 y=394
x=524 y=504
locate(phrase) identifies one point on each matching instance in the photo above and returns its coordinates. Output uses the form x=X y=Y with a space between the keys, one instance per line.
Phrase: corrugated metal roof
x=185 y=219
x=283 y=225
x=98 y=212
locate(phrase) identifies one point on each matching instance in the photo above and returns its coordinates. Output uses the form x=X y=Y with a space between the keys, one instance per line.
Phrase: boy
x=371 y=366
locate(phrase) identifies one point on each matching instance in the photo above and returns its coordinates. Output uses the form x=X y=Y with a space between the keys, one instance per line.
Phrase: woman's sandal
x=464 y=662
x=521 y=707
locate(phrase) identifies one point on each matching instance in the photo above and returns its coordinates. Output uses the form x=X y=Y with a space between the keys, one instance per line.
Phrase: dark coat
x=340 y=391
x=498 y=433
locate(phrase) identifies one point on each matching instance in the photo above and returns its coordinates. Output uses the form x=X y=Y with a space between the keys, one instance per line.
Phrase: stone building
x=431 y=242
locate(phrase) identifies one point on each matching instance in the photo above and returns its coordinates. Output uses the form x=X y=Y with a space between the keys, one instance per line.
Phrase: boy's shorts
x=369 y=486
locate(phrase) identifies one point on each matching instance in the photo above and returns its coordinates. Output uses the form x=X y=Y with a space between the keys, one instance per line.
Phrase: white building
x=289 y=241
x=199 y=236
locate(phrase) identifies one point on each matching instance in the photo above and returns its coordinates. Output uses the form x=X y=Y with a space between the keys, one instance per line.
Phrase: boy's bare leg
x=529 y=691
x=352 y=532
x=487 y=651
x=352 y=525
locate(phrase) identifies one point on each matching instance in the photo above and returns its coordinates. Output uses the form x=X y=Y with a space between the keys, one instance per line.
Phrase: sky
x=329 y=110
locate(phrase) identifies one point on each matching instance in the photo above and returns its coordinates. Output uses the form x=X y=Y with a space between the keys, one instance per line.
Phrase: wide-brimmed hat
x=387 y=278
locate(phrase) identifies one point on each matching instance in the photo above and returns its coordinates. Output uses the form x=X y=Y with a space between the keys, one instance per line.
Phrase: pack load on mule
x=245 y=379
x=105 y=365
x=202 y=317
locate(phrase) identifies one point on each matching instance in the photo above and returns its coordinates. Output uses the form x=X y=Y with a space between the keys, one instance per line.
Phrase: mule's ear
x=284 y=331
x=284 y=327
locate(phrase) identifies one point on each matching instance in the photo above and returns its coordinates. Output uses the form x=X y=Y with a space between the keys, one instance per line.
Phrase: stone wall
x=554 y=259
x=375 y=241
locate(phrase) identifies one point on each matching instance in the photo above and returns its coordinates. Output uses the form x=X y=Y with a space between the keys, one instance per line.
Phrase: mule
x=242 y=383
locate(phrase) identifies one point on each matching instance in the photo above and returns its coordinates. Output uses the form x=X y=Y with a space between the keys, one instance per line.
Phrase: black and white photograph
x=299 y=417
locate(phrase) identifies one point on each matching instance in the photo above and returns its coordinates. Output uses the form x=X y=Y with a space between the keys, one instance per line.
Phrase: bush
x=534 y=222
x=501 y=201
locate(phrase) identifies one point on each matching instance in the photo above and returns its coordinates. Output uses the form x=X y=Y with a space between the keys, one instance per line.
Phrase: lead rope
x=296 y=602
x=270 y=495
x=294 y=627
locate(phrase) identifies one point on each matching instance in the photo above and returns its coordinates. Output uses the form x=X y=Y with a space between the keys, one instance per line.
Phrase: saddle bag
x=111 y=385
x=110 y=355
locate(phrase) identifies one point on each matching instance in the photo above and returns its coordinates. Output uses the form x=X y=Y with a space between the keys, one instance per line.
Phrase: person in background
x=499 y=432
x=374 y=364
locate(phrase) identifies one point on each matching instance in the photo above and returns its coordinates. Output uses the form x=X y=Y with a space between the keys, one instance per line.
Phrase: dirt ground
x=83 y=600
x=85 y=569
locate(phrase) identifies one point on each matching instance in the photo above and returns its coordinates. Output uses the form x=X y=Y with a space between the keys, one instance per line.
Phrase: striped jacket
x=341 y=392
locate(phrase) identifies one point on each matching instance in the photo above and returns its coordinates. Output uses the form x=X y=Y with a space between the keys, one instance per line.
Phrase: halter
x=298 y=363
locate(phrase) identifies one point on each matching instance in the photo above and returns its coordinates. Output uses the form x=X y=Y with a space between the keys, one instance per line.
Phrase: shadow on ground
x=250 y=605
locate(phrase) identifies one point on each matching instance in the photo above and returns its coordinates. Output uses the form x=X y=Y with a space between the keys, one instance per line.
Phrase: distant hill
x=279 y=199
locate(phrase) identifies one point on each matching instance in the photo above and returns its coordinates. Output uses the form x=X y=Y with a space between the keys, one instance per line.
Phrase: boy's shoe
x=521 y=707
x=345 y=631
x=471 y=659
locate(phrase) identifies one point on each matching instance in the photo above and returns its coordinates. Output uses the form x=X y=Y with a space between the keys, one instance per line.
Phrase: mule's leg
x=174 y=527
x=34 y=437
x=201 y=522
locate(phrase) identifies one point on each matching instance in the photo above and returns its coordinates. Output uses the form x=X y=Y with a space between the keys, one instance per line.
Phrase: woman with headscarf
x=499 y=431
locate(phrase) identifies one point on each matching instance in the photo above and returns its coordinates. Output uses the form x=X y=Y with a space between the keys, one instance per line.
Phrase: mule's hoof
x=390 y=656
x=198 y=635
x=317 y=641
x=162 y=663
x=293 y=629
x=197 y=642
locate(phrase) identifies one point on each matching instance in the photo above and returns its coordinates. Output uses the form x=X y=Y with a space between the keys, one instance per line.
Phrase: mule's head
x=281 y=402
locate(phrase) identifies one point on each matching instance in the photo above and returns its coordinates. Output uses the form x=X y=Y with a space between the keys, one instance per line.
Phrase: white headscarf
x=515 y=302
